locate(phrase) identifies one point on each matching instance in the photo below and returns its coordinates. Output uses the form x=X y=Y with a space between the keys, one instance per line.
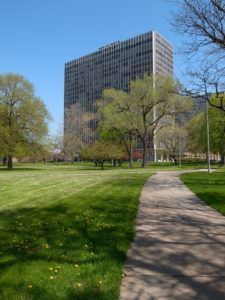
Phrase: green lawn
x=209 y=187
x=64 y=233
x=84 y=166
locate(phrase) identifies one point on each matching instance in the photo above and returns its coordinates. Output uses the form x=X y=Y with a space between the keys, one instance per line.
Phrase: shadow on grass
x=2 y=169
x=215 y=199
x=208 y=187
x=89 y=166
x=92 y=231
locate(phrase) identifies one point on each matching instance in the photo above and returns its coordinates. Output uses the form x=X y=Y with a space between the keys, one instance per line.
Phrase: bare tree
x=173 y=139
x=203 y=21
x=207 y=82
x=77 y=130
x=202 y=26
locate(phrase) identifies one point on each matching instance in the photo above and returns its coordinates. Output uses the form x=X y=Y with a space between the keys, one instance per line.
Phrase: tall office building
x=114 y=66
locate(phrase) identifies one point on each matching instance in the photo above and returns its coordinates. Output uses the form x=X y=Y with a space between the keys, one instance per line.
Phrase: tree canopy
x=196 y=129
x=217 y=131
x=150 y=105
x=23 y=116
x=201 y=24
x=101 y=151
x=117 y=122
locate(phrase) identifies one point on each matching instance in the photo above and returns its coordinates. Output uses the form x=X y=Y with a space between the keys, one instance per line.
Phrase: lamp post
x=208 y=138
x=180 y=149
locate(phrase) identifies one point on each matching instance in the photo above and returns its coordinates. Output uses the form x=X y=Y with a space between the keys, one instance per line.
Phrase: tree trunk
x=130 y=154
x=222 y=159
x=130 y=162
x=4 y=161
x=120 y=162
x=175 y=160
x=144 y=153
x=9 y=162
x=102 y=164
x=113 y=163
x=129 y=150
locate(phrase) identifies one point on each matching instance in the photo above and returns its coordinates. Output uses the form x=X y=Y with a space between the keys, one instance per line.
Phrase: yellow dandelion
x=79 y=285
x=51 y=277
x=30 y=286
x=50 y=269
x=100 y=281
x=76 y=266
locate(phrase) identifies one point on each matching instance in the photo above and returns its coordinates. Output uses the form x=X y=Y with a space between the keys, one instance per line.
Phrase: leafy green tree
x=154 y=100
x=117 y=123
x=142 y=112
x=196 y=134
x=23 y=116
x=217 y=131
x=196 y=129
x=100 y=151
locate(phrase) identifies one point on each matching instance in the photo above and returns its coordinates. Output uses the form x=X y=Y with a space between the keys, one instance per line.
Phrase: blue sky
x=39 y=36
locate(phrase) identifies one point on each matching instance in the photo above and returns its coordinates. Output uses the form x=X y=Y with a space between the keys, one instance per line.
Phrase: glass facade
x=114 y=66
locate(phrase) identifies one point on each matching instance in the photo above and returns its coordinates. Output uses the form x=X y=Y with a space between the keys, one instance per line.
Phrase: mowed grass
x=209 y=187
x=84 y=166
x=64 y=235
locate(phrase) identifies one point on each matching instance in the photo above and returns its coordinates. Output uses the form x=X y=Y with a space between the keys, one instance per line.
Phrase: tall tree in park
x=34 y=152
x=117 y=121
x=196 y=134
x=154 y=100
x=217 y=131
x=140 y=112
x=201 y=23
x=23 y=116
x=196 y=129
x=77 y=132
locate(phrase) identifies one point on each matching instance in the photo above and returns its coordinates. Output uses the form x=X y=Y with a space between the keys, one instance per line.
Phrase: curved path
x=179 y=248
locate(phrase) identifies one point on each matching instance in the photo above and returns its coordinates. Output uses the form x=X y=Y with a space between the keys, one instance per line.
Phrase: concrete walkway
x=179 y=248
